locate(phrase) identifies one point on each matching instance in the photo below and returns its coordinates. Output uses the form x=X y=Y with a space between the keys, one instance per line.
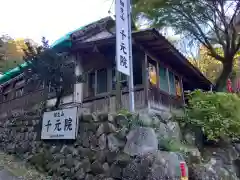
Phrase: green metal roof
x=66 y=38
x=12 y=73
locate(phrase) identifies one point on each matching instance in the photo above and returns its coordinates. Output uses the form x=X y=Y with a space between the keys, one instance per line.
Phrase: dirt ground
x=12 y=168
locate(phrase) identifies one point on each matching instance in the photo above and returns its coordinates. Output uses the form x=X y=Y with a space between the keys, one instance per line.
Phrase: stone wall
x=97 y=153
x=108 y=147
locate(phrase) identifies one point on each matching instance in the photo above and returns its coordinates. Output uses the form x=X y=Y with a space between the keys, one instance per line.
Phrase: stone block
x=115 y=171
x=102 y=142
x=97 y=168
x=106 y=128
x=114 y=144
x=140 y=141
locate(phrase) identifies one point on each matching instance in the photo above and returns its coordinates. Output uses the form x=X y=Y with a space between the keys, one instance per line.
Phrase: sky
x=50 y=18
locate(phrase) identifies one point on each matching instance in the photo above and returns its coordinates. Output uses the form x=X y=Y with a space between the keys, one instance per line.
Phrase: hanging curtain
x=178 y=89
x=152 y=75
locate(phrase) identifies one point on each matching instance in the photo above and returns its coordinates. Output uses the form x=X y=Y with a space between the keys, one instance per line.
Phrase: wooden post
x=145 y=78
x=181 y=86
x=118 y=91
x=157 y=75
x=169 y=90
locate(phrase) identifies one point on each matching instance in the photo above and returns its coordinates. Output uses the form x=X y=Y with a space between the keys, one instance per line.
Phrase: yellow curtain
x=178 y=89
x=153 y=76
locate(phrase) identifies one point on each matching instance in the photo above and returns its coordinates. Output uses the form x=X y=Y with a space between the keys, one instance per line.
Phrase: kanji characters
x=58 y=114
x=123 y=61
x=123 y=34
x=68 y=124
x=122 y=10
x=48 y=125
x=57 y=125
x=123 y=48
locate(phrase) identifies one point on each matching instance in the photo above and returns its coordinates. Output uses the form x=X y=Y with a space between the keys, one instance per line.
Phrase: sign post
x=124 y=45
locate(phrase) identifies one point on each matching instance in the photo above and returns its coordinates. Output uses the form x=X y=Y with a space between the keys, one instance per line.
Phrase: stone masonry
x=108 y=147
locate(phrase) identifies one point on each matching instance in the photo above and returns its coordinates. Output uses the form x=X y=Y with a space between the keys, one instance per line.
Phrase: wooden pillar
x=157 y=74
x=95 y=84
x=118 y=91
x=78 y=86
x=181 y=86
x=169 y=89
x=145 y=78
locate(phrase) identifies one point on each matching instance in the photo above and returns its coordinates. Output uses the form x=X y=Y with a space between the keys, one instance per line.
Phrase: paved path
x=7 y=175
x=12 y=168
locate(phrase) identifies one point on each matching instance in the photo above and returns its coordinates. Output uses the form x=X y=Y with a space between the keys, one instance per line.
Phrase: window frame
x=20 y=94
x=168 y=69
x=96 y=81
x=123 y=79
x=160 y=66
x=95 y=85
x=174 y=81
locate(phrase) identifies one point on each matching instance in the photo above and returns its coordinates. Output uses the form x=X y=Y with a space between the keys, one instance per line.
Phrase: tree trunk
x=226 y=72
x=59 y=96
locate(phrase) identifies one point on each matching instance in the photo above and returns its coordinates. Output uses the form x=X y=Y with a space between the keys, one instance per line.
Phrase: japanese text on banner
x=122 y=37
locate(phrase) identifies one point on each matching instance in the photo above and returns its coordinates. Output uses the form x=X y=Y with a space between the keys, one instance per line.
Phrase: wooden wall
x=108 y=103
x=22 y=103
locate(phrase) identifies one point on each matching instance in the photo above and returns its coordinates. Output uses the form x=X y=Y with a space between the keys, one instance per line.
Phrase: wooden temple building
x=161 y=74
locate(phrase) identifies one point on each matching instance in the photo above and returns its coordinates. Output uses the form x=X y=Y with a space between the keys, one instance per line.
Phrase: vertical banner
x=122 y=37
x=124 y=45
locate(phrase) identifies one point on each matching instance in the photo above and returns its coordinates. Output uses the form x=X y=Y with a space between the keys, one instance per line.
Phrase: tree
x=11 y=53
x=208 y=22
x=2 y=52
x=210 y=67
x=51 y=68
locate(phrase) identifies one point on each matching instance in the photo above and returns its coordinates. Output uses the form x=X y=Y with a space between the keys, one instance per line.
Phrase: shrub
x=218 y=114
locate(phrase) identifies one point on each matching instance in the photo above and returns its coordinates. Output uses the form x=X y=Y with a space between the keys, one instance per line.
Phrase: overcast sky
x=50 y=18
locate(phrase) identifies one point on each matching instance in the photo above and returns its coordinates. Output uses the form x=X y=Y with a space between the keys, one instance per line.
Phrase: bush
x=218 y=114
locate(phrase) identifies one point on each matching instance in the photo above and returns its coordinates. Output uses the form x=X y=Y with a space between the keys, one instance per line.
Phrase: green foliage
x=170 y=145
x=210 y=67
x=124 y=112
x=136 y=120
x=204 y=22
x=11 y=53
x=218 y=114
x=52 y=68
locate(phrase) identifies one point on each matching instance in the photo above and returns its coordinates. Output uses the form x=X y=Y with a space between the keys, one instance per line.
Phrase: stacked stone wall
x=115 y=147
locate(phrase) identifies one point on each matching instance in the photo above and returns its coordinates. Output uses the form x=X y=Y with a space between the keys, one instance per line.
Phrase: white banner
x=60 y=124
x=122 y=36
